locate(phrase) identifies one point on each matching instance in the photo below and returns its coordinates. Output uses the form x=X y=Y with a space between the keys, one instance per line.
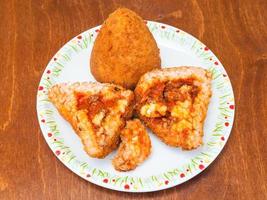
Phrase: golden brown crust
x=124 y=50
x=134 y=148
x=96 y=111
x=173 y=102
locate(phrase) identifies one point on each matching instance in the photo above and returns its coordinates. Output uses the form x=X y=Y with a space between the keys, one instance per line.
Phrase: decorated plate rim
x=227 y=111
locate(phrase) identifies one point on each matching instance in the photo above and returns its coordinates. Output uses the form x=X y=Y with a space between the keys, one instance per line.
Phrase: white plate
x=166 y=167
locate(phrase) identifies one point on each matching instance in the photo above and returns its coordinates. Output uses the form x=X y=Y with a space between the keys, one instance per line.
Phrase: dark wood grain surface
x=32 y=31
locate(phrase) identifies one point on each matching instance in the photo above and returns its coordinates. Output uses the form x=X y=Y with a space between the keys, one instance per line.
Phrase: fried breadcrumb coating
x=124 y=50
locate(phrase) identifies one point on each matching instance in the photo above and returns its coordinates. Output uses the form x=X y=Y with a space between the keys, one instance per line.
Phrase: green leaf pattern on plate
x=221 y=83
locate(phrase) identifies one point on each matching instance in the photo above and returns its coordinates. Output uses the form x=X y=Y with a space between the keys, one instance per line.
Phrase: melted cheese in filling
x=153 y=110
x=181 y=109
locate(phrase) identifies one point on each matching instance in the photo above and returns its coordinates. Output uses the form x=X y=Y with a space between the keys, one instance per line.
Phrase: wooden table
x=31 y=33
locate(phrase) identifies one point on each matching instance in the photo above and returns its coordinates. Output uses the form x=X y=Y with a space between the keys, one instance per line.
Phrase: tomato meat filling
x=105 y=114
x=96 y=106
x=170 y=101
